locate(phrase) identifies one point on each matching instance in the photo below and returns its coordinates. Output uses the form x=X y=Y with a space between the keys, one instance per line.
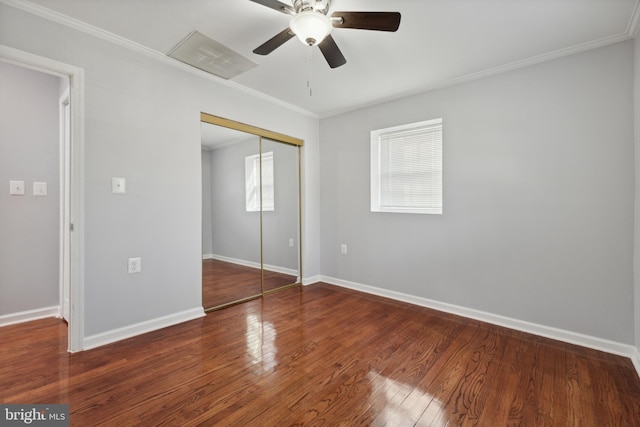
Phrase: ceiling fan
x=312 y=25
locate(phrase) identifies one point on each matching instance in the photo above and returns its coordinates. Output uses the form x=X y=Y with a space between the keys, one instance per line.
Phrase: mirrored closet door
x=280 y=215
x=250 y=212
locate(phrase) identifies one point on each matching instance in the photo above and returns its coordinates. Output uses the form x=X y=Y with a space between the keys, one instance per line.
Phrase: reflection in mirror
x=280 y=214
x=231 y=233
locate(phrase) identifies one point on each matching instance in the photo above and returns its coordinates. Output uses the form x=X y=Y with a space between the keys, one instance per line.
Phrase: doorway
x=65 y=186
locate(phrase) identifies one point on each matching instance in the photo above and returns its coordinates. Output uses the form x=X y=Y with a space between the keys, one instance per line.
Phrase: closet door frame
x=277 y=137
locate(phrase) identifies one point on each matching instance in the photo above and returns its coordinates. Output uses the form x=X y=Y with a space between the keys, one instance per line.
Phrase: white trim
x=129 y=331
x=281 y=270
x=268 y=267
x=431 y=161
x=634 y=21
x=64 y=108
x=29 y=315
x=516 y=65
x=76 y=87
x=612 y=347
x=34 y=62
x=76 y=211
x=237 y=261
x=78 y=25
x=43 y=12
x=306 y=281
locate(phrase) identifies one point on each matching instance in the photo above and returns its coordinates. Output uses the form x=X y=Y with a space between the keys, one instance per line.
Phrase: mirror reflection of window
x=252 y=182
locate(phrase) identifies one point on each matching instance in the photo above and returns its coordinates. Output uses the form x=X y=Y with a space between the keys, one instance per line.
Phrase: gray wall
x=235 y=232
x=539 y=187
x=29 y=225
x=206 y=203
x=142 y=122
x=538 y=197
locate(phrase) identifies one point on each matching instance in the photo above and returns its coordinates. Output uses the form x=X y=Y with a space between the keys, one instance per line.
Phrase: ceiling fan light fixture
x=310 y=27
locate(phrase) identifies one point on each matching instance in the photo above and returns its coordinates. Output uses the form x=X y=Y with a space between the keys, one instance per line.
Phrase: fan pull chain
x=309 y=71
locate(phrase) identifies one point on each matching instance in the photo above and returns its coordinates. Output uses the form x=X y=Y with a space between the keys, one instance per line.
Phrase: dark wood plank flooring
x=323 y=356
x=224 y=282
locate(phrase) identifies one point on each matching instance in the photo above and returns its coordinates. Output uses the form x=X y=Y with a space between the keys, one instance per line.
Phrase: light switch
x=39 y=188
x=16 y=188
x=118 y=185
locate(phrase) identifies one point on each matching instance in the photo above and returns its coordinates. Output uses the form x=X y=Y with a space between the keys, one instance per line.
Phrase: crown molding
x=91 y=30
x=523 y=63
x=527 y=62
x=634 y=21
x=631 y=32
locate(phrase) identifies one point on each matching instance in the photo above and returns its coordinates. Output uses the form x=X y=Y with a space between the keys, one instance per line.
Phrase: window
x=406 y=168
x=252 y=182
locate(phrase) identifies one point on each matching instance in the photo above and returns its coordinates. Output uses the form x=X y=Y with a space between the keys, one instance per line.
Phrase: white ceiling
x=439 y=41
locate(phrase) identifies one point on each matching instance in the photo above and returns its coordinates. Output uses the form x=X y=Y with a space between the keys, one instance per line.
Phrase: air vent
x=208 y=55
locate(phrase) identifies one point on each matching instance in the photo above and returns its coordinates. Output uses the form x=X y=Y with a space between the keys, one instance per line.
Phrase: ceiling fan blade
x=378 y=21
x=332 y=52
x=274 y=42
x=276 y=5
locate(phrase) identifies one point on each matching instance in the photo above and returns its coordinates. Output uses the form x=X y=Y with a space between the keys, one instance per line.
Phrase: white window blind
x=406 y=168
x=252 y=182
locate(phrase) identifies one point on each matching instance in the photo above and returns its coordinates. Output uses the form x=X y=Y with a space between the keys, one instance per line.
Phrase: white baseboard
x=612 y=347
x=109 y=337
x=311 y=280
x=237 y=261
x=29 y=315
x=281 y=270
x=268 y=267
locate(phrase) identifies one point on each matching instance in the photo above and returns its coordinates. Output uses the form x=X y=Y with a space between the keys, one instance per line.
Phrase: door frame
x=65 y=184
x=74 y=245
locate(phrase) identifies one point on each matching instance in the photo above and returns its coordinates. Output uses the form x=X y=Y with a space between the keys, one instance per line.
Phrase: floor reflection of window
x=406 y=404
x=261 y=338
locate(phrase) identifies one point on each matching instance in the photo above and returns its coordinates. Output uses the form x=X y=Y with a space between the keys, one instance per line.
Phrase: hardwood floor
x=224 y=282
x=321 y=355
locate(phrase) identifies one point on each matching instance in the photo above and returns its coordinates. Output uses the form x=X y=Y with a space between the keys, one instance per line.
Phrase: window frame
x=254 y=176
x=376 y=168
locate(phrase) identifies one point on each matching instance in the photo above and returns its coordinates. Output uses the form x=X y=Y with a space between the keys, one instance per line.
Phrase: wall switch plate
x=16 y=188
x=290 y=243
x=134 y=265
x=39 y=188
x=343 y=249
x=118 y=185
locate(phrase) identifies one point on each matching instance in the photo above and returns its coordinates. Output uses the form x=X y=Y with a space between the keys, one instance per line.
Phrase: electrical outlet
x=343 y=249
x=135 y=265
